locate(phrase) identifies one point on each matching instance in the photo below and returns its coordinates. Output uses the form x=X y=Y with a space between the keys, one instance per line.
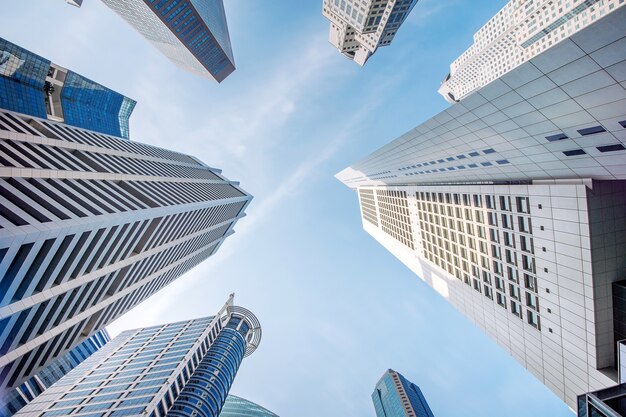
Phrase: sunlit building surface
x=91 y=226
x=176 y=370
x=240 y=407
x=57 y=369
x=520 y=31
x=510 y=205
x=193 y=34
x=35 y=86
x=359 y=27
x=395 y=396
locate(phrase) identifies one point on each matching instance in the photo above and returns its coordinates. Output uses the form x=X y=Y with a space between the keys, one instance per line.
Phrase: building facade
x=192 y=34
x=510 y=205
x=177 y=370
x=35 y=86
x=517 y=33
x=91 y=226
x=359 y=27
x=395 y=396
x=608 y=402
x=240 y=407
x=56 y=370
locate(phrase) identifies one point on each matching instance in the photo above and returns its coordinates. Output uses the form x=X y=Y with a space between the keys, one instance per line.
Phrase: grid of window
x=22 y=76
x=368 y=205
x=159 y=214
x=486 y=242
x=395 y=220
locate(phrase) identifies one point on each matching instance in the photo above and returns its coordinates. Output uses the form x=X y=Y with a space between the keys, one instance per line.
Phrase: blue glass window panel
x=559 y=136
x=611 y=148
x=574 y=152
x=591 y=130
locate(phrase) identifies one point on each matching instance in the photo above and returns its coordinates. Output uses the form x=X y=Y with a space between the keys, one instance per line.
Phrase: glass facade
x=56 y=370
x=395 y=396
x=176 y=370
x=201 y=27
x=32 y=85
x=22 y=78
x=192 y=34
x=240 y=407
x=89 y=105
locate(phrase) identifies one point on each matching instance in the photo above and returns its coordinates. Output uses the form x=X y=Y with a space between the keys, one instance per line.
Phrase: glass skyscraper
x=91 y=226
x=193 y=34
x=181 y=369
x=33 y=85
x=240 y=407
x=395 y=396
x=57 y=369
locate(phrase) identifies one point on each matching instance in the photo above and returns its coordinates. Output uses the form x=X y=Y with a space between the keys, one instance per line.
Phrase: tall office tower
x=192 y=34
x=58 y=368
x=240 y=407
x=510 y=205
x=359 y=27
x=175 y=370
x=395 y=396
x=33 y=85
x=517 y=33
x=91 y=226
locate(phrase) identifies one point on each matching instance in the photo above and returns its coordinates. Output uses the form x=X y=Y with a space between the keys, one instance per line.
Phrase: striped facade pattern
x=90 y=226
x=178 y=369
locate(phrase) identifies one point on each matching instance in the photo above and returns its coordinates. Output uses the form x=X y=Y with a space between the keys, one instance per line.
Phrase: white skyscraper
x=359 y=27
x=510 y=204
x=91 y=226
x=520 y=31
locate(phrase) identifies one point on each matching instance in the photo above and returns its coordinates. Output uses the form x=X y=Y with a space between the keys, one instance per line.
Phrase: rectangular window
x=591 y=130
x=611 y=148
x=574 y=152
x=554 y=138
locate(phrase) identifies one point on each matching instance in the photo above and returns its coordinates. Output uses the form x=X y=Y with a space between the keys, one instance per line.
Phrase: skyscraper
x=240 y=407
x=510 y=205
x=35 y=86
x=176 y=370
x=192 y=34
x=91 y=226
x=358 y=28
x=395 y=396
x=22 y=395
x=520 y=31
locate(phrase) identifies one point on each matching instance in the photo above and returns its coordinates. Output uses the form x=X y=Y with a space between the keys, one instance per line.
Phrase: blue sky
x=336 y=308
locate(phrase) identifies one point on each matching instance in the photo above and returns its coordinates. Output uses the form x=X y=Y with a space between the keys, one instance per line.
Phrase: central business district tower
x=92 y=224
x=510 y=203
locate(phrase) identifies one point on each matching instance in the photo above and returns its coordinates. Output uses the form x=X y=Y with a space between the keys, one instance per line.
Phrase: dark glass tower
x=33 y=85
x=34 y=386
x=175 y=370
x=193 y=34
x=395 y=396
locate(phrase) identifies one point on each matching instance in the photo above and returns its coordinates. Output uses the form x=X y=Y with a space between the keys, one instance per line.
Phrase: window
x=559 y=136
x=574 y=152
x=611 y=148
x=591 y=130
